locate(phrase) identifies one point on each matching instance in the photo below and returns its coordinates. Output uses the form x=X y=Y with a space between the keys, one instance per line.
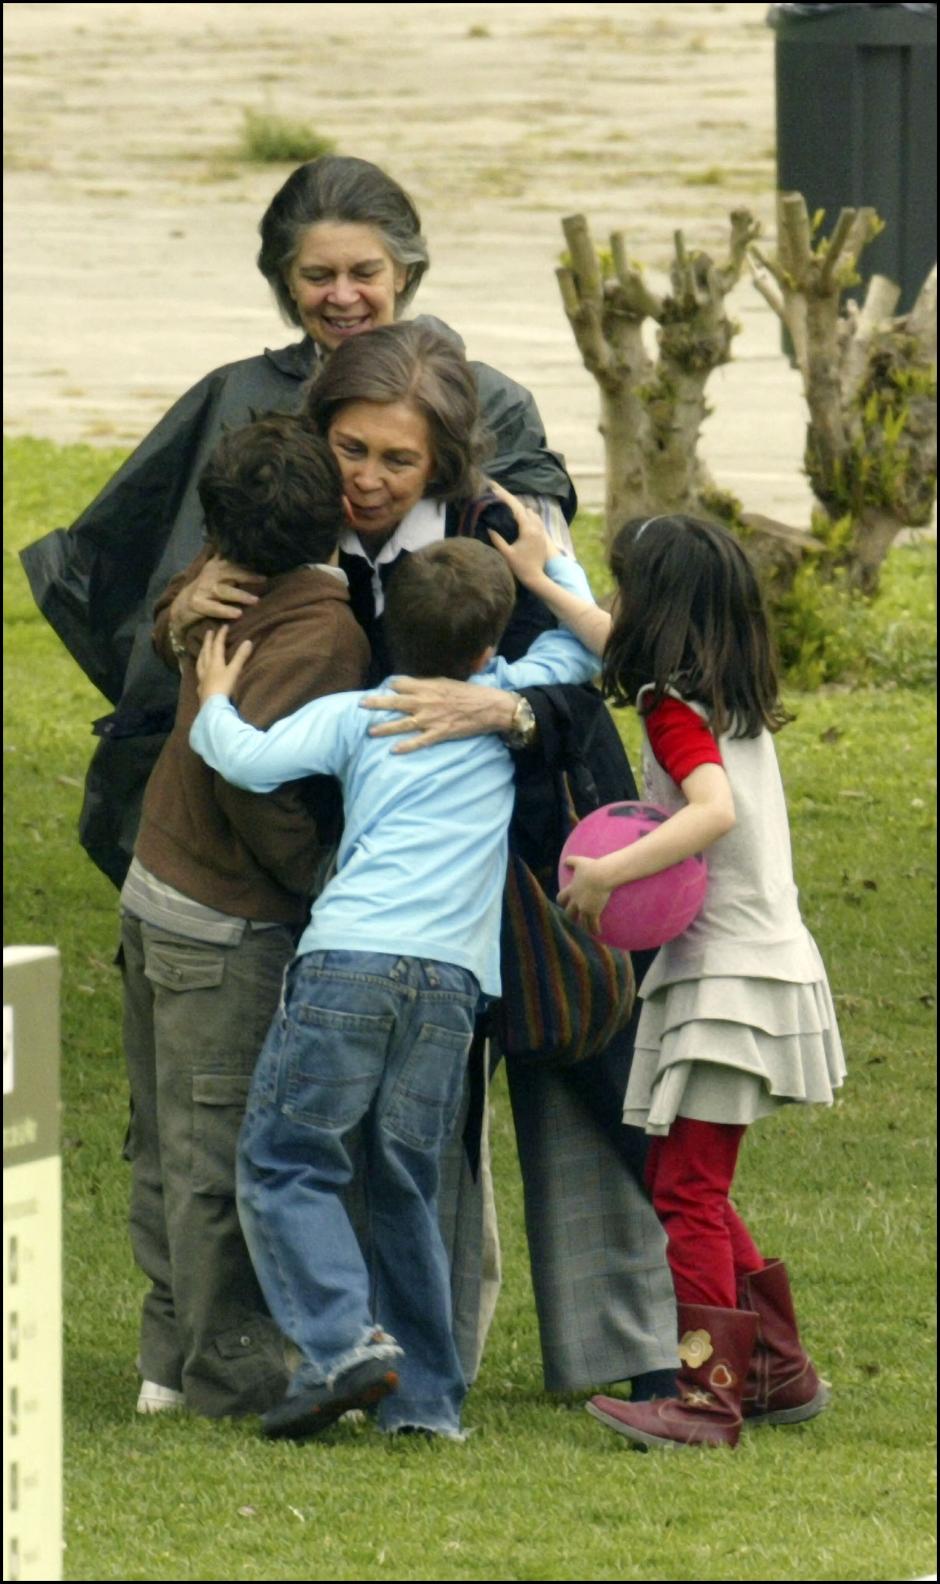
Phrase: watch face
x=523 y=726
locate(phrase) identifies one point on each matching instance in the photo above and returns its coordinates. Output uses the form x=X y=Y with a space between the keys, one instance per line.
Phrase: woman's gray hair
x=411 y=363
x=347 y=191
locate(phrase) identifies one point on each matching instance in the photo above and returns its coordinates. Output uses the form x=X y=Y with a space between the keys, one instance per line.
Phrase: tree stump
x=870 y=385
x=652 y=409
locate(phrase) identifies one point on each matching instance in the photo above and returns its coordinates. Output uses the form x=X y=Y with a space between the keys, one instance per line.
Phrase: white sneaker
x=158 y=1399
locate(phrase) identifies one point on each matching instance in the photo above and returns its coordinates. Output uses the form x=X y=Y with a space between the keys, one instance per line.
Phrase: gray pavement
x=130 y=230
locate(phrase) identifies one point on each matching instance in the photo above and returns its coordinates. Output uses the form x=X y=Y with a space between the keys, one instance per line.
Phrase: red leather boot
x=715 y=1348
x=782 y=1386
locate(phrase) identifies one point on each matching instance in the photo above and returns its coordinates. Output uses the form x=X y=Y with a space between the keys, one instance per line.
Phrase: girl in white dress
x=737 y=1015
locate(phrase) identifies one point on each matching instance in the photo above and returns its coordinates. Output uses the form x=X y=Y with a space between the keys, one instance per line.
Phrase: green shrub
x=828 y=631
x=269 y=139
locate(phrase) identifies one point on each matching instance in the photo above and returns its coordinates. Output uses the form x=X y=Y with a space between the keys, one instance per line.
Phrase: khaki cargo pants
x=195 y=1019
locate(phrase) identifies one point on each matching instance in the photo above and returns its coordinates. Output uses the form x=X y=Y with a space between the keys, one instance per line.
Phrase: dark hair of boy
x=272 y=495
x=690 y=616
x=445 y=605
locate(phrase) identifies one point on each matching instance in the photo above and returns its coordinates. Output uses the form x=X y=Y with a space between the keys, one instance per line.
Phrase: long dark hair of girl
x=690 y=617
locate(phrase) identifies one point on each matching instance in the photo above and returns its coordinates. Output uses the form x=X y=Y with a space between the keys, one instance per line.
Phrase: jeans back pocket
x=333 y=1063
x=424 y=1099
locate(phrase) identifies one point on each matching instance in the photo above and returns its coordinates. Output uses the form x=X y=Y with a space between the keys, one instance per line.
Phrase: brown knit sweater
x=253 y=855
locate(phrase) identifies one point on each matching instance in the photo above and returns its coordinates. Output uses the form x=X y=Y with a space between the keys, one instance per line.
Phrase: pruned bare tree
x=869 y=380
x=652 y=409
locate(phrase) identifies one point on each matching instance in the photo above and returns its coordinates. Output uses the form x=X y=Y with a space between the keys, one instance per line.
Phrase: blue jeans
x=382 y=1041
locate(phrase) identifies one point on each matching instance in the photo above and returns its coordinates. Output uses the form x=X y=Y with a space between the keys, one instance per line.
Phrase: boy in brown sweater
x=220 y=882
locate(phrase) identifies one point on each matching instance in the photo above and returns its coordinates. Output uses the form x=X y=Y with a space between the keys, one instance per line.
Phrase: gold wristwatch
x=523 y=726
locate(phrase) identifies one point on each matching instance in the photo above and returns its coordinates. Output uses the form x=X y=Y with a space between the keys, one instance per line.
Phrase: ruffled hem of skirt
x=774 y=1006
x=720 y=1069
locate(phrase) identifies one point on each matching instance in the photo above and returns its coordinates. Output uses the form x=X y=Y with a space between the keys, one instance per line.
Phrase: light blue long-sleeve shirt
x=422 y=861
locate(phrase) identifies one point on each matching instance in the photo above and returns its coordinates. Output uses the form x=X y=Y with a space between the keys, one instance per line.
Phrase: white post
x=32 y=1266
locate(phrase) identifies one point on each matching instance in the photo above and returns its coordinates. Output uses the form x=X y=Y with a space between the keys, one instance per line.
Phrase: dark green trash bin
x=857 y=124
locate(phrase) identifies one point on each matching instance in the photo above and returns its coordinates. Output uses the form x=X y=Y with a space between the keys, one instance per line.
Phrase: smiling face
x=384 y=454
x=343 y=281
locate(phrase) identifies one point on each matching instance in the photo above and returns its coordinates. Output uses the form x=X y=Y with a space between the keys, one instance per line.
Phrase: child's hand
x=585 y=896
x=213 y=673
x=527 y=557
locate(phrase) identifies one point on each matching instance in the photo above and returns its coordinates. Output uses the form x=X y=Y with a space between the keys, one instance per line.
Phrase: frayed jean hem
x=430 y=1415
x=440 y=1432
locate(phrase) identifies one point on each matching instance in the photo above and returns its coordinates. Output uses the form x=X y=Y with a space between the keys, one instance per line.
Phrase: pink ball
x=644 y=913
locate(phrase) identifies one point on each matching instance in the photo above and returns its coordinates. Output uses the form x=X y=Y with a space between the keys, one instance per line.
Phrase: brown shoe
x=782 y=1386
x=714 y=1350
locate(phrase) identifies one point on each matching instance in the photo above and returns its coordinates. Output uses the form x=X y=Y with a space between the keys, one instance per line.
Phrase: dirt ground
x=130 y=227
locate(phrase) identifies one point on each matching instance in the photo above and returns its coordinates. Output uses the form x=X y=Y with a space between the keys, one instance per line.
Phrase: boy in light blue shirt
x=381 y=999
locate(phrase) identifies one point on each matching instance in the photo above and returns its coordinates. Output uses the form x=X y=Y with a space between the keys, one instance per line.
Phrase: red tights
x=689 y=1174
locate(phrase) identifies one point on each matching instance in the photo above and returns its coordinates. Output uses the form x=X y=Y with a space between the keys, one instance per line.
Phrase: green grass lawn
x=540 y=1491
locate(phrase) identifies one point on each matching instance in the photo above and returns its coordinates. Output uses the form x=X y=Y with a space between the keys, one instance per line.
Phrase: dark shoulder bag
x=565 y=995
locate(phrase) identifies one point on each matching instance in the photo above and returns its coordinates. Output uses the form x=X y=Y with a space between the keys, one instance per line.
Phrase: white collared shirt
x=423 y=525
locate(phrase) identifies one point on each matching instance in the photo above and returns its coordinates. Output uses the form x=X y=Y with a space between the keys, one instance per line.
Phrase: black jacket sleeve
x=521 y=461
x=96 y=582
x=91 y=580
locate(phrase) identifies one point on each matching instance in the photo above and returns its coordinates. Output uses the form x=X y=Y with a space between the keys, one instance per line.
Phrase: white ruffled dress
x=737 y=1016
